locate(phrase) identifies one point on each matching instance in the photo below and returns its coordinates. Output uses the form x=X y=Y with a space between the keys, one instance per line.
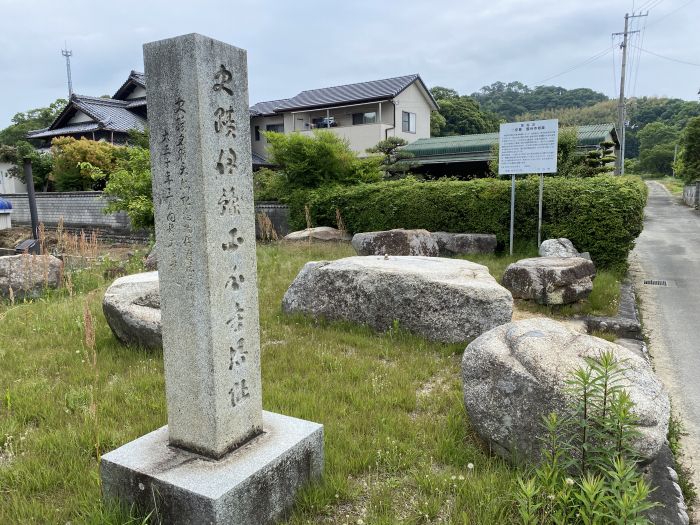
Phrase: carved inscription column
x=205 y=228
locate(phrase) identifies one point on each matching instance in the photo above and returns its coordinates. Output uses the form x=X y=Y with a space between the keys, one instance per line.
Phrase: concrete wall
x=10 y=184
x=85 y=210
x=691 y=195
x=78 y=209
x=260 y=146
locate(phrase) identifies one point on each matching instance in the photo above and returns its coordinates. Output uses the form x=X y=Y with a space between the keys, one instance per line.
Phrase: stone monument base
x=255 y=484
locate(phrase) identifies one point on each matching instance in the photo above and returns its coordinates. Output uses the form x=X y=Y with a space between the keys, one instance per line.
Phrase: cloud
x=313 y=43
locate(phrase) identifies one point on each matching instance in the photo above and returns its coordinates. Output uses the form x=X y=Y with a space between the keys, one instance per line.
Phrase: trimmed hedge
x=602 y=215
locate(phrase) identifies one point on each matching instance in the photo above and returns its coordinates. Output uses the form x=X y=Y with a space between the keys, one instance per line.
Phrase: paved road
x=669 y=249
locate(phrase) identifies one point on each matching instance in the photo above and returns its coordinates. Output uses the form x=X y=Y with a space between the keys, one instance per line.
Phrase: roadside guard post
x=524 y=148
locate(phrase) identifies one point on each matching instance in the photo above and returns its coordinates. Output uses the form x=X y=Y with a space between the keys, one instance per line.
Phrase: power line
x=669 y=58
x=581 y=64
x=670 y=13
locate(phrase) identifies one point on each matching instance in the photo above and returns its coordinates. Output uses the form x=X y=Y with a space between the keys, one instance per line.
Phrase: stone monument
x=221 y=458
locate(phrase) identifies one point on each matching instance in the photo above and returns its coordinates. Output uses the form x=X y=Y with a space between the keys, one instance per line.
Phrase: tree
x=394 y=161
x=129 y=188
x=459 y=115
x=71 y=158
x=690 y=152
x=317 y=160
x=41 y=163
x=657 y=142
x=30 y=120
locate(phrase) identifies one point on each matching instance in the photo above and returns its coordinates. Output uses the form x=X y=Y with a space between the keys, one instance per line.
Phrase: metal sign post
x=539 y=212
x=512 y=210
x=523 y=148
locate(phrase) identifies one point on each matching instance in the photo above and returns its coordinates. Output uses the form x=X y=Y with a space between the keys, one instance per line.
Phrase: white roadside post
x=523 y=148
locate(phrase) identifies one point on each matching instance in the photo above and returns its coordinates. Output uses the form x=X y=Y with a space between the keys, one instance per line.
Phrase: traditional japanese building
x=94 y=118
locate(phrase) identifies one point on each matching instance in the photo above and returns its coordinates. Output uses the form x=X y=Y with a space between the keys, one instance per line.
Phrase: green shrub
x=588 y=473
x=317 y=160
x=69 y=154
x=269 y=185
x=602 y=215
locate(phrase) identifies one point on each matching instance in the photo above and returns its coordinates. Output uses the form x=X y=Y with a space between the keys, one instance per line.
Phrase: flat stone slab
x=255 y=484
x=464 y=243
x=448 y=300
x=550 y=280
x=320 y=233
x=131 y=306
x=516 y=374
x=396 y=242
x=29 y=275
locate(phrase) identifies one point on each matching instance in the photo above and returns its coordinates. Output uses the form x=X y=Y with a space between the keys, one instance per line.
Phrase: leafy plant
x=394 y=161
x=690 y=154
x=588 y=473
x=71 y=157
x=602 y=215
x=318 y=160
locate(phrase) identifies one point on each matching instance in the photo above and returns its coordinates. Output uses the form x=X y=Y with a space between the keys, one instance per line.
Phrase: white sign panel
x=528 y=147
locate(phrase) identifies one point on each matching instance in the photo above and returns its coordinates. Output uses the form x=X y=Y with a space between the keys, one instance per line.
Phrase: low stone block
x=131 y=306
x=320 y=233
x=516 y=374
x=29 y=275
x=255 y=484
x=550 y=280
x=464 y=243
x=448 y=300
x=396 y=242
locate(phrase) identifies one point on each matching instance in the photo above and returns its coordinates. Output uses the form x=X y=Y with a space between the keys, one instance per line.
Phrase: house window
x=257 y=132
x=408 y=122
x=369 y=117
x=277 y=128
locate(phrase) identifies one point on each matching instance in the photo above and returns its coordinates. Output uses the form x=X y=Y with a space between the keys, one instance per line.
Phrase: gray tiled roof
x=349 y=94
x=135 y=77
x=112 y=115
x=82 y=127
x=266 y=108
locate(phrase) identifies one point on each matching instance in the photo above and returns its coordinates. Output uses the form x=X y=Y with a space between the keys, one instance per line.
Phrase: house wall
x=259 y=147
x=10 y=184
x=138 y=92
x=80 y=117
x=413 y=100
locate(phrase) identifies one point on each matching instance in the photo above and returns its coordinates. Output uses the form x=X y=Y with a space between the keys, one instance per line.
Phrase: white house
x=363 y=113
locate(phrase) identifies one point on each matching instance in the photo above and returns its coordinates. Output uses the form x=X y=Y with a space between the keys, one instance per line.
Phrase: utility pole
x=620 y=161
x=66 y=53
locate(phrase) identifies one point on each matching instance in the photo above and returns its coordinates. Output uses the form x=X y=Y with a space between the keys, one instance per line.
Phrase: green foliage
x=318 y=160
x=602 y=215
x=461 y=115
x=269 y=185
x=30 y=120
x=601 y=160
x=657 y=142
x=140 y=139
x=73 y=161
x=690 y=154
x=394 y=161
x=129 y=188
x=588 y=472
x=508 y=100
x=41 y=163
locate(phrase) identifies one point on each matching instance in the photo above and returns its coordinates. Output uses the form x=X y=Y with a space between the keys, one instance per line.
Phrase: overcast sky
x=306 y=44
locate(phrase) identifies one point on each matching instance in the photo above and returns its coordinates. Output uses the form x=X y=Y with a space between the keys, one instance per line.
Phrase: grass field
x=398 y=445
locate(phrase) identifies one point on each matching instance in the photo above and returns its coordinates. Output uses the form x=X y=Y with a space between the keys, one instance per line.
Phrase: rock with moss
x=440 y=299
x=465 y=243
x=320 y=233
x=131 y=306
x=550 y=280
x=396 y=242
x=517 y=373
